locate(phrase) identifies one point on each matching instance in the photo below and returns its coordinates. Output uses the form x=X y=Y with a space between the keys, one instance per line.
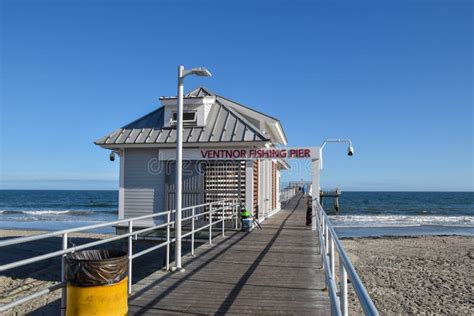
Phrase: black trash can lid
x=96 y=255
x=96 y=267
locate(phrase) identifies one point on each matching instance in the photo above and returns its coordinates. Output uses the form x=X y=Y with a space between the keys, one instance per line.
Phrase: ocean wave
x=48 y=212
x=399 y=220
x=45 y=212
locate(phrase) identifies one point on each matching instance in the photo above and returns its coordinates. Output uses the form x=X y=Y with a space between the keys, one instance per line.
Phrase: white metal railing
x=212 y=212
x=286 y=194
x=329 y=243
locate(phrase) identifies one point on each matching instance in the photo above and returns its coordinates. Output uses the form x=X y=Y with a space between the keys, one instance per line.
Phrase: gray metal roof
x=223 y=125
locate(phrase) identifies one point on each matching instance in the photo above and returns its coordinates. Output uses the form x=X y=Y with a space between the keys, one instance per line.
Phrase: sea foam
x=399 y=220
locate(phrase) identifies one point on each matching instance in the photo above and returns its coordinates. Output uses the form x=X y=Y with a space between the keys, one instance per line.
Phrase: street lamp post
x=350 y=149
x=182 y=73
x=317 y=166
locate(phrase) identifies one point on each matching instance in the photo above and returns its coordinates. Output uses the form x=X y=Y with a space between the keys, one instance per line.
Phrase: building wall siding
x=192 y=185
x=265 y=196
x=274 y=186
x=148 y=185
x=268 y=187
x=143 y=182
x=278 y=189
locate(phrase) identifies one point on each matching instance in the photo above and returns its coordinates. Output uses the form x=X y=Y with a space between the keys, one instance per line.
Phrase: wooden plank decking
x=276 y=270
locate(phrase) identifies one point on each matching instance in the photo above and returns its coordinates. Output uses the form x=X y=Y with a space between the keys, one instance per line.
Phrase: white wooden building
x=216 y=130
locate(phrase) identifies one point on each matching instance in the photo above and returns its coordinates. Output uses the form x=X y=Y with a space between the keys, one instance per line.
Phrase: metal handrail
x=14 y=241
x=329 y=241
x=130 y=235
x=287 y=194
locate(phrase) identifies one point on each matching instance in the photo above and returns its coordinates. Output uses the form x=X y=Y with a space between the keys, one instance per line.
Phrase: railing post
x=210 y=224
x=324 y=253
x=326 y=237
x=343 y=288
x=331 y=257
x=192 y=231
x=130 y=254
x=168 y=239
x=323 y=231
x=323 y=225
x=237 y=215
x=223 y=219
x=63 y=276
x=236 y=208
x=231 y=214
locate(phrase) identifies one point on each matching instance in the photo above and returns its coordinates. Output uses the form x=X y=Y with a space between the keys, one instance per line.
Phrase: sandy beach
x=415 y=275
x=404 y=275
x=25 y=280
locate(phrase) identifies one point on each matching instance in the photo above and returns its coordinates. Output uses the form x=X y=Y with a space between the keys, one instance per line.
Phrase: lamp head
x=200 y=71
x=350 y=151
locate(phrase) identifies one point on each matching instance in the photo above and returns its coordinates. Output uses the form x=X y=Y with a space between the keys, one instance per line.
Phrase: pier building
x=222 y=149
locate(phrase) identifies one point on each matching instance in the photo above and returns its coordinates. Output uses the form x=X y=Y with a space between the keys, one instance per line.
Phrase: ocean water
x=403 y=213
x=361 y=213
x=53 y=210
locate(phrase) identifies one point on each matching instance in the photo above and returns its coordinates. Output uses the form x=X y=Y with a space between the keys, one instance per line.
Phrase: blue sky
x=395 y=76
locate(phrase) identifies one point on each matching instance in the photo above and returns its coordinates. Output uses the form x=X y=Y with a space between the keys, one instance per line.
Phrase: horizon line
x=394 y=191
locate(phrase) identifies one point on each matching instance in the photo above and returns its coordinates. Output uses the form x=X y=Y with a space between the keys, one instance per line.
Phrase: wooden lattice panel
x=224 y=180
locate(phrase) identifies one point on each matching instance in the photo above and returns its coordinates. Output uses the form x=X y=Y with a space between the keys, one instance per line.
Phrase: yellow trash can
x=97 y=283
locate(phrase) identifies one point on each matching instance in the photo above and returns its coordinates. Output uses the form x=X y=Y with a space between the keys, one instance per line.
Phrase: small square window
x=189 y=117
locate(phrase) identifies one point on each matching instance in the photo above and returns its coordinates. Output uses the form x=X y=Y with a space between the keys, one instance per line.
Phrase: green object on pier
x=245 y=214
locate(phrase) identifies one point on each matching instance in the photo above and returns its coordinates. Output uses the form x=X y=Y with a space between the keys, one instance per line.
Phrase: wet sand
x=404 y=275
x=415 y=275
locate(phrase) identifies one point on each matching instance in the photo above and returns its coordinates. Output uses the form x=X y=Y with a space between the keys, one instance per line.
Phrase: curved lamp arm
x=350 y=149
x=338 y=140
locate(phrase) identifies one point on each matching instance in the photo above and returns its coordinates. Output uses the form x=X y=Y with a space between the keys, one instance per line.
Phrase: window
x=189 y=117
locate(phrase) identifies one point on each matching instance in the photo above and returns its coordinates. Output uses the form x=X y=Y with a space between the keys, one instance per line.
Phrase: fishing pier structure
x=334 y=194
x=234 y=156
x=286 y=267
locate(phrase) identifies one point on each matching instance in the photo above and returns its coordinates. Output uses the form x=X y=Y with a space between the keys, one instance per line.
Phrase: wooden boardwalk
x=276 y=270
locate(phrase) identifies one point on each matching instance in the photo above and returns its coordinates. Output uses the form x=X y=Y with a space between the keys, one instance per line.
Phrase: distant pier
x=335 y=194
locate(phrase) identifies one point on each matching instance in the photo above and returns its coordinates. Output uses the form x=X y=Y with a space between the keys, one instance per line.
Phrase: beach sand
x=25 y=280
x=415 y=275
x=22 y=281
x=404 y=275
